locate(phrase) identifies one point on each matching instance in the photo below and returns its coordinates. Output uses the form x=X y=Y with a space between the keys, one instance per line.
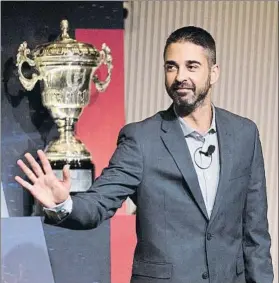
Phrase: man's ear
x=215 y=73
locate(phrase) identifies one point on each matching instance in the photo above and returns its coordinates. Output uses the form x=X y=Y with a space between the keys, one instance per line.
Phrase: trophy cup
x=65 y=69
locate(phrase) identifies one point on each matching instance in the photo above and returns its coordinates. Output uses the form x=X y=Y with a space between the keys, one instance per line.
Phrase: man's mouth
x=182 y=90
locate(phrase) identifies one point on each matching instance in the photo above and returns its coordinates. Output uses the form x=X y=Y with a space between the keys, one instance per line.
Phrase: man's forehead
x=185 y=50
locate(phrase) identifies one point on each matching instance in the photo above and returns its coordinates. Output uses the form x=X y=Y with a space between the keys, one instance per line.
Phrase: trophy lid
x=65 y=48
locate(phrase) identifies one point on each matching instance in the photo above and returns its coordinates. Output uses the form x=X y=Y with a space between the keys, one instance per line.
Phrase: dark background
x=26 y=125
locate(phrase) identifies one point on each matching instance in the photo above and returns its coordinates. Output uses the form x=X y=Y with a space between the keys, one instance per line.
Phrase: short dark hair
x=197 y=36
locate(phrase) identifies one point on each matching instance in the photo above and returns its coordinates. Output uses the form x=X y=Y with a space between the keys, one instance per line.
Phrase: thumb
x=66 y=173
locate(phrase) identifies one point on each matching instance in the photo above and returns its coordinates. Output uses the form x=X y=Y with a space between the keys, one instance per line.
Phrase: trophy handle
x=21 y=58
x=106 y=59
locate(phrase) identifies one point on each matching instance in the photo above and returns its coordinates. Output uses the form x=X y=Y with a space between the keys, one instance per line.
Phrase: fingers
x=45 y=163
x=29 y=173
x=38 y=194
x=66 y=173
x=34 y=164
x=23 y=183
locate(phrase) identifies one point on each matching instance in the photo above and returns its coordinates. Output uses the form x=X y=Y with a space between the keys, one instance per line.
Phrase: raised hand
x=44 y=186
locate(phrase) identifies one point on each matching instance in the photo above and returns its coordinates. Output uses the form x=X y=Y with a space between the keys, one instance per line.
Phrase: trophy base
x=81 y=179
x=82 y=173
x=74 y=164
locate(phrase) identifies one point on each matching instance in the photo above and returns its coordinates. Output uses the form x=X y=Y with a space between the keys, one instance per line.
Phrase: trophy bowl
x=65 y=68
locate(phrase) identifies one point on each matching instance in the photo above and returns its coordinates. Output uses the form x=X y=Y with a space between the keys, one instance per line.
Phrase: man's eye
x=170 y=68
x=193 y=67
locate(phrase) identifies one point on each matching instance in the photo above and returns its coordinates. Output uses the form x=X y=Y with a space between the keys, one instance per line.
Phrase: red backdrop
x=102 y=119
x=98 y=128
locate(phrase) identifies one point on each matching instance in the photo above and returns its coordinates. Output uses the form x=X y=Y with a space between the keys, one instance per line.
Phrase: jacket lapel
x=174 y=141
x=225 y=143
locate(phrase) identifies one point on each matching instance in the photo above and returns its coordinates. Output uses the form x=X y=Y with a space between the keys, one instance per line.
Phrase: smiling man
x=195 y=172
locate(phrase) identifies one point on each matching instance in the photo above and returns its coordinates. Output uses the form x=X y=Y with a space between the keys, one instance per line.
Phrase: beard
x=191 y=98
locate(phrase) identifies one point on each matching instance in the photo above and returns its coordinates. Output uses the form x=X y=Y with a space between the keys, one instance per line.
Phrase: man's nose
x=182 y=75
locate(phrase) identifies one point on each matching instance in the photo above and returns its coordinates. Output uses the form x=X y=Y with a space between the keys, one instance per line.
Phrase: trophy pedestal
x=82 y=173
x=82 y=176
x=81 y=179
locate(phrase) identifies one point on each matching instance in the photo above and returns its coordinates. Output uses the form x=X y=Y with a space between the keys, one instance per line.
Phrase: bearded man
x=195 y=172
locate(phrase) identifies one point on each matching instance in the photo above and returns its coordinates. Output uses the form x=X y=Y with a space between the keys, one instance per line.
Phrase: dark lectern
x=35 y=252
x=24 y=255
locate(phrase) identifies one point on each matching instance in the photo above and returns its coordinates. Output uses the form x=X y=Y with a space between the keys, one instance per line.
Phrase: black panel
x=81 y=14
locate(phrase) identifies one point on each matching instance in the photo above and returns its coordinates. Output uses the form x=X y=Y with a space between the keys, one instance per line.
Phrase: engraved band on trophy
x=66 y=70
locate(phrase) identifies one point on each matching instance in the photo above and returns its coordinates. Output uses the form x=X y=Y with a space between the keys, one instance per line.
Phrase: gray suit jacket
x=176 y=242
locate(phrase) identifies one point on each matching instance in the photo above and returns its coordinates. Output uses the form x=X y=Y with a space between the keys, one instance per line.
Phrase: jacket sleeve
x=118 y=181
x=256 y=244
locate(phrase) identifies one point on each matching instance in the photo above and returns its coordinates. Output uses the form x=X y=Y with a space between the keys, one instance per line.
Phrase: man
x=195 y=172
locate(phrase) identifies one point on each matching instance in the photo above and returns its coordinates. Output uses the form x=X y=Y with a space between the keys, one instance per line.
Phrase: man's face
x=187 y=75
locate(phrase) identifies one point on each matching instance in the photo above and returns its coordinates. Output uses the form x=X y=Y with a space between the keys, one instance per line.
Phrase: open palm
x=44 y=186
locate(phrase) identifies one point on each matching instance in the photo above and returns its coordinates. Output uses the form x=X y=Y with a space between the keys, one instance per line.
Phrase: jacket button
x=205 y=275
x=209 y=236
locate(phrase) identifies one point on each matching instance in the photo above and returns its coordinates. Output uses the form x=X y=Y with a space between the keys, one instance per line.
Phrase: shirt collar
x=187 y=130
